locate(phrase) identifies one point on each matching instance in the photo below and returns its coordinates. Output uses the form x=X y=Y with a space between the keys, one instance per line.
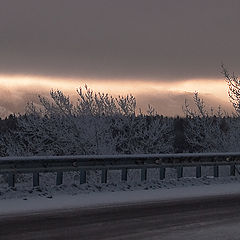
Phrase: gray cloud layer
x=155 y=39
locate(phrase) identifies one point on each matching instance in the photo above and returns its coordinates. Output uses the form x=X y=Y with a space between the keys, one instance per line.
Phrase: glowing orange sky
x=218 y=88
x=159 y=94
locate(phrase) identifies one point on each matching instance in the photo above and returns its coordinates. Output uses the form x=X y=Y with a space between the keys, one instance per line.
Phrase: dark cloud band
x=154 y=39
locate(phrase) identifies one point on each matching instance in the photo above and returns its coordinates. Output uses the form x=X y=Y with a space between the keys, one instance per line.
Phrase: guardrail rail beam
x=82 y=163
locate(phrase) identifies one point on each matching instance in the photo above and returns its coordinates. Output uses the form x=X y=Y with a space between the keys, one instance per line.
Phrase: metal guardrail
x=82 y=163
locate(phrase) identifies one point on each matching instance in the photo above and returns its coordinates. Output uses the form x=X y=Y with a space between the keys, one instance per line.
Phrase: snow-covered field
x=71 y=194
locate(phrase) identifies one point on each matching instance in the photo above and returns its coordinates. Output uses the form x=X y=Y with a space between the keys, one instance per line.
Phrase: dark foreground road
x=203 y=218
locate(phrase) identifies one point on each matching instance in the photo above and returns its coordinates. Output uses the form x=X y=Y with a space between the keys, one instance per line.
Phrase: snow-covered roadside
x=38 y=203
x=71 y=194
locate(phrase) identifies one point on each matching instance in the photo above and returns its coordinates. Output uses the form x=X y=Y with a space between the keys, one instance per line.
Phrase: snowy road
x=198 y=218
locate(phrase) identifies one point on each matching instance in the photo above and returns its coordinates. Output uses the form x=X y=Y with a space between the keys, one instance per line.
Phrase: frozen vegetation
x=101 y=124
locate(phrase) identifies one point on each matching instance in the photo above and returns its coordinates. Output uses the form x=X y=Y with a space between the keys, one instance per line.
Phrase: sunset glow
x=166 y=97
x=161 y=52
x=218 y=88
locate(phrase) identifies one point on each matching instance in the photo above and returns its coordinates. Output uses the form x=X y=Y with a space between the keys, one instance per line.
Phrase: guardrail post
x=11 y=180
x=83 y=176
x=104 y=175
x=59 y=179
x=124 y=174
x=198 y=172
x=35 y=179
x=232 y=170
x=162 y=173
x=179 y=172
x=143 y=174
x=216 y=171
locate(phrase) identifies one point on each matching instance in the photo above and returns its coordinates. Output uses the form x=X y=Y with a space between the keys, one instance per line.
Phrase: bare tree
x=233 y=88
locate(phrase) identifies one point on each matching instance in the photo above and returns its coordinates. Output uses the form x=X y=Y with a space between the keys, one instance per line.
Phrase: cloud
x=171 y=103
x=14 y=100
x=128 y=39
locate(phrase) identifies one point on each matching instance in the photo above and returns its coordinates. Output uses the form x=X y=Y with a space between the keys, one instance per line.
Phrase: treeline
x=117 y=135
x=101 y=124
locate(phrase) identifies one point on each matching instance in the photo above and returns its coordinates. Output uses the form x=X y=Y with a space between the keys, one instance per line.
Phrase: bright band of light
x=217 y=88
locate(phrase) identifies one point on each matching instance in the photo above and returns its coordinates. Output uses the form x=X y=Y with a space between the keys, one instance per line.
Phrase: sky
x=161 y=51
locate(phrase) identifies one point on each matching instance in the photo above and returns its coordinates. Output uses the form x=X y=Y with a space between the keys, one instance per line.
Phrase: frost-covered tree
x=233 y=88
x=210 y=132
x=144 y=134
x=97 y=123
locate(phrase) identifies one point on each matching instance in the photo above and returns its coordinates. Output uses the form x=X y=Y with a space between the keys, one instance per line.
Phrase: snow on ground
x=65 y=201
x=71 y=194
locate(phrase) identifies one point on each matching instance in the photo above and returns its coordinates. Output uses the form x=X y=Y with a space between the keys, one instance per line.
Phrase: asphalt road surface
x=203 y=218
